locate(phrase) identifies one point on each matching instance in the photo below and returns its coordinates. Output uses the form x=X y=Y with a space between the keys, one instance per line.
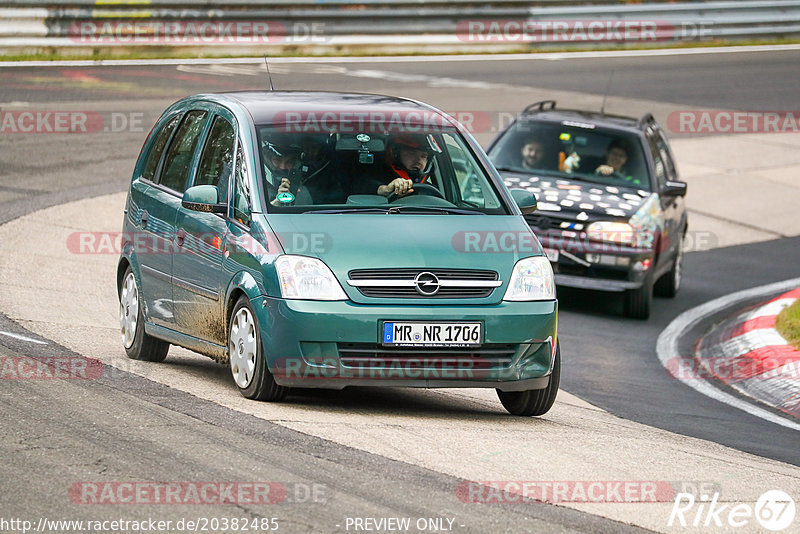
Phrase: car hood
x=351 y=241
x=577 y=199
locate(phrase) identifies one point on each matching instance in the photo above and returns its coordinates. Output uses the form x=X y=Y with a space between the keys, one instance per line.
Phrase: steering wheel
x=425 y=189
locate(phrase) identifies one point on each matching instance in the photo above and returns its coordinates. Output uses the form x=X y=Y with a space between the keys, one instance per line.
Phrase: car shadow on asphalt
x=590 y=302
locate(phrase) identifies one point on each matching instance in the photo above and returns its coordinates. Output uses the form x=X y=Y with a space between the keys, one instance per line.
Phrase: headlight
x=307 y=278
x=531 y=279
x=611 y=232
x=647 y=221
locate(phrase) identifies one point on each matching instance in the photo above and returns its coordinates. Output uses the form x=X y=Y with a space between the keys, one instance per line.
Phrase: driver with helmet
x=301 y=166
x=410 y=158
x=281 y=157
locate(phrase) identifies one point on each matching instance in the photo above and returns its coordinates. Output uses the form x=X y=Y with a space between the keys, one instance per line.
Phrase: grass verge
x=788 y=324
x=99 y=53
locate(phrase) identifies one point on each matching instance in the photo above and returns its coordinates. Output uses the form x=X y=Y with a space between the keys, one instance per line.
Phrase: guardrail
x=335 y=25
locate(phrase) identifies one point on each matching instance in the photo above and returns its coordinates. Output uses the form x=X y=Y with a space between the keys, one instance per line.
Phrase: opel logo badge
x=426 y=284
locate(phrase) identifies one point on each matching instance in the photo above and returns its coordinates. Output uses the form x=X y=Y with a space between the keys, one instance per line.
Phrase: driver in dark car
x=616 y=158
x=617 y=155
x=410 y=158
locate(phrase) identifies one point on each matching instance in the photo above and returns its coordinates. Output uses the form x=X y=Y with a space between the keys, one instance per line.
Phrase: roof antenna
x=605 y=95
x=269 y=75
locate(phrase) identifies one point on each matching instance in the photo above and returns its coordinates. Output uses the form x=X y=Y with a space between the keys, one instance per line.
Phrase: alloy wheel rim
x=243 y=347
x=128 y=310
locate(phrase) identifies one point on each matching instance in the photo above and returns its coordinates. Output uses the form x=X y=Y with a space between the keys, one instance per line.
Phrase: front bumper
x=333 y=345
x=598 y=266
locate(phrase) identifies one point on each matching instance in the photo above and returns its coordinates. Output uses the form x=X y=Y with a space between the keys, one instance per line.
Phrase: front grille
x=408 y=274
x=374 y=356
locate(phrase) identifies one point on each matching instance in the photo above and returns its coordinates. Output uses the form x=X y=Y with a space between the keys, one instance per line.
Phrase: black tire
x=260 y=385
x=669 y=284
x=534 y=401
x=638 y=302
x=144 y=347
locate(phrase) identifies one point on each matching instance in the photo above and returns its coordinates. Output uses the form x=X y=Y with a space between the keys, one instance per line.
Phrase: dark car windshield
x=349 y=171
x=574 y=150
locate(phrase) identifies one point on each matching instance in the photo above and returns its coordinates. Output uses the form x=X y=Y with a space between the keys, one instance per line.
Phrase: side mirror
x=525 y=200
x=674 y=189
x=203 y=198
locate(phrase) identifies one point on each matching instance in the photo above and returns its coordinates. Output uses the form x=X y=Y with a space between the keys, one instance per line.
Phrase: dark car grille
x=370 y=355
x=594 y=271
x=541 y=222
x=408 y=274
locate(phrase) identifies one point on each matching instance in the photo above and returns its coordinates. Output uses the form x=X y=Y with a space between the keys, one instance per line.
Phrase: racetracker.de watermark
x=197 y=32
x=50 y=368
x=584 y=491
x=579 y=31
x=69 y=122
x=503 y=242
x=116 y=243
x=733 y=369
x=196 y=492
x=733 y=122
x=390 y=368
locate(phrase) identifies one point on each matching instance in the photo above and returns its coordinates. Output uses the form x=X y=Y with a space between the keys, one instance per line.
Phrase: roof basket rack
x=645 y=119
x=544 y=105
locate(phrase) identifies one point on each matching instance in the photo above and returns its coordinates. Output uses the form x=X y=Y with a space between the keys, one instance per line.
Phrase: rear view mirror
x=203 y=198
x=525 y=200
x=674 y=189
x=359 y=142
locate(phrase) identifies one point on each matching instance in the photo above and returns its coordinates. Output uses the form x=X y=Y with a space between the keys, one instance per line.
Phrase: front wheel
x=534 y=401
x=248 y=365
x=670 y=283
x=639 y=301
x=138 y=345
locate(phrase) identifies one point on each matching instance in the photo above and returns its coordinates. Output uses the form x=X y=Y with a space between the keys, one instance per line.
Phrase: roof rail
x=644 y=119
x=544 y=105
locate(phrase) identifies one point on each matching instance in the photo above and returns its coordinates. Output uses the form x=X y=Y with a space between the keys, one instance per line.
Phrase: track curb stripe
x=750 y=356
x=668 y=353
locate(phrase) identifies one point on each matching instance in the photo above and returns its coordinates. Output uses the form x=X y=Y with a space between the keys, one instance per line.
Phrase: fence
x=337 y=25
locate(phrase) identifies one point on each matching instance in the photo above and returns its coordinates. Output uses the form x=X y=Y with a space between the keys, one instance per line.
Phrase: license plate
x=552 y=254
x=432 y=334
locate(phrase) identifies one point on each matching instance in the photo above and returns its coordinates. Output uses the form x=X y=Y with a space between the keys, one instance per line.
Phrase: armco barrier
x=459 y=25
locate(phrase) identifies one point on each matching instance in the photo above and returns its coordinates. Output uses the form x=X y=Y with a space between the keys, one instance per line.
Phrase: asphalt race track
x=142 y=430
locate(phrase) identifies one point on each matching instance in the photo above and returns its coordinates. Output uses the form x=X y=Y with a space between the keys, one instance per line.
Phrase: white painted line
x=547 y=56
x=774 y=308
x=667 y=346
x=747 y=342
x=23 y=338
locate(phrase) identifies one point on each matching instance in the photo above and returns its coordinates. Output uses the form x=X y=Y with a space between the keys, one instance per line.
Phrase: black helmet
x=281 y=146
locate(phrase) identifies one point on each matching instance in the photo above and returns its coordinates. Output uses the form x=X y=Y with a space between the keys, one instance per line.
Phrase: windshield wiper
x=351 y=210
x=430 y=209
x=395 y=210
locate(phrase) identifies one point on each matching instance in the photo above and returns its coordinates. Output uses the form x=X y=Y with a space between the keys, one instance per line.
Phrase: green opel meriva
x=325 y=240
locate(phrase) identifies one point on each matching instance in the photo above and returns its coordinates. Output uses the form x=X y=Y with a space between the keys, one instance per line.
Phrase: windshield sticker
x=285 y=198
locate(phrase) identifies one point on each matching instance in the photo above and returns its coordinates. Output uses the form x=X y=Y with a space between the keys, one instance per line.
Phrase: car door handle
x=144 y=219
x=180 y=236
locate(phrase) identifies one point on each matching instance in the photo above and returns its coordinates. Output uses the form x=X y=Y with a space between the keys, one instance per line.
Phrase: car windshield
x=573 y=150
x=368 y=171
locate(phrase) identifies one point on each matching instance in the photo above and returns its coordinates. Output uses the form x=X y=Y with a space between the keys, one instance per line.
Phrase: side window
x=663 y=147
x=157 y=148
x=180 y=152
x=241 y=195
x=468 y=181
x=658 y=160
x=216 y=162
